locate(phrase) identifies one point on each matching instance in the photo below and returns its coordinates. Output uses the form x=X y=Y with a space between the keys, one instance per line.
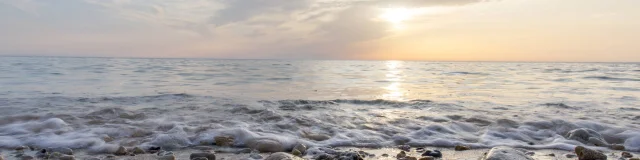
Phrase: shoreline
x=227 y=153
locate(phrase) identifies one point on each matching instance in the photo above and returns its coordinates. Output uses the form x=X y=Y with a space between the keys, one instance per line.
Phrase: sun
x=396 y=15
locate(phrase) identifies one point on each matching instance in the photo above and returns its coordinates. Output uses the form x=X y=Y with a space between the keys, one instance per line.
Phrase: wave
x=467 y=73
x=571 y=71
x=611 y=78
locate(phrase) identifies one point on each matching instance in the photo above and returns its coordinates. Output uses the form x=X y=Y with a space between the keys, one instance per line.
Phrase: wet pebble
x=530 y=153
x=138 y=150
x=462 y=148
x=627 y=155
x=223 y=140
x=209 y=156
x=300 y=147
x=385 y=155
x=405 y=148
x=588 y=154
x=402 y=154
x=617 y=147
x=266 y=145
x=121 y=151
x=280 y=156
x=551 y=154
x=420 y=149
x=200 y=158
x=427 y=158
x=434 y=153
x=168 y=157
x=410 y=158
x=154 y=149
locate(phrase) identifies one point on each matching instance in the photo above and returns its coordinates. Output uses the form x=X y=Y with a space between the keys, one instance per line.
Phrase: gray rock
x=587 y=137
x=300 y=147
x=209 y=156
x=402 y=154
x=351 y=156
x=505 y=153
x=588 y=154
x=281 y=156
x=63 y=150
x=405 y=148
x=121 y=151
x=138 y=150
x=626 y=155
x=266 y=145
x=67 y=157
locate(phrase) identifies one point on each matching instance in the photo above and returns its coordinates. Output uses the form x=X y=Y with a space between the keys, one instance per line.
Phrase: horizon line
x=310 y=59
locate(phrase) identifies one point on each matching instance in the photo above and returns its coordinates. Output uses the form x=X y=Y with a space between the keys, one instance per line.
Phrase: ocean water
x=177 y=103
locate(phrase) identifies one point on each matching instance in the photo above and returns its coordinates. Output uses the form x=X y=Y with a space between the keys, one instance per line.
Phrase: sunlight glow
x=396 y=15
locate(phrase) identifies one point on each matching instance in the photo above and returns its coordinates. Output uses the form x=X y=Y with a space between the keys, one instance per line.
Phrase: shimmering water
x=76 y=102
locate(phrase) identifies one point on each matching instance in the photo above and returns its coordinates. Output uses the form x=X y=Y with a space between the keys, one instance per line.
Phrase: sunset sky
x=437 y=30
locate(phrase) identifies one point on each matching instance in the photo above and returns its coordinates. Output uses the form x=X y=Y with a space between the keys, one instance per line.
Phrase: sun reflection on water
x=395 y=76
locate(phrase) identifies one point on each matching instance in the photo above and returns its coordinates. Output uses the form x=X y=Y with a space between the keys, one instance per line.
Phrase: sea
x=98 y=104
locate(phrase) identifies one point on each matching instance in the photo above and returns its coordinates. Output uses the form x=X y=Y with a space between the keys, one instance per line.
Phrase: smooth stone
x=67 y=157
x=266 y=145
x=300 y=147
x=138 y=150
x=223 y=140
x=570 y=155
x=530 y=153
x=350 y=156
x=427 y=158
x=27 y=158
x=281 y=156
x=505 y=153
x=434 y=153
x=169 y=157
x=20 y=148
x=551 y=154
x=121 y=151
x=402 y=154
x=255 y=156
x=1 y=157
x=588 y=154
x=385 y=155
x=617 y=147
x=209 y=156
x=154 y=149
x=410 y=158
x=315 y=136
x=626 y=155
x=405 y=148
x=200 y=158
x=462 y=148
x=587 y=136
x=107 y=139
x=63 y=150
x=295 y=152
x=420 y=149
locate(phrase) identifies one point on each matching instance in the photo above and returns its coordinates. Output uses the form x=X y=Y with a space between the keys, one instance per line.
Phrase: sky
x=434 y=30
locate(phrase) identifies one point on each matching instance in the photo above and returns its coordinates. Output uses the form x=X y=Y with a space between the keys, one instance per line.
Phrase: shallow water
x=175 y=103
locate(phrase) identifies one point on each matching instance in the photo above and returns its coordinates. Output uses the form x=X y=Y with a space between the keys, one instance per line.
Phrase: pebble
x=405 y=148
x=427 y=158
x=570 y=155
x=154 y=149
x=385 y=155
x=255 y=156
x=169 y=157
x=244 y=150
x=223 y=140
x=209 y=156
x=200 y=158
x=20 y=148
x=587 y=136
x=295 y=152
x=350 y=156
x=138 y=150
x=530 y=153
x=266 y=145
x=315 y=136
x=324 y=157
x=588 y=154
x=419 y=149
x=121 y=151
x=402 y=154
x=67 y=157
x=300 y=147
x=411 y=158
x=505 y=153
x=617 y=147
x=627 y=155
x=434 y=153
x=551 y=154
x=42 y=153
x=462 y=148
